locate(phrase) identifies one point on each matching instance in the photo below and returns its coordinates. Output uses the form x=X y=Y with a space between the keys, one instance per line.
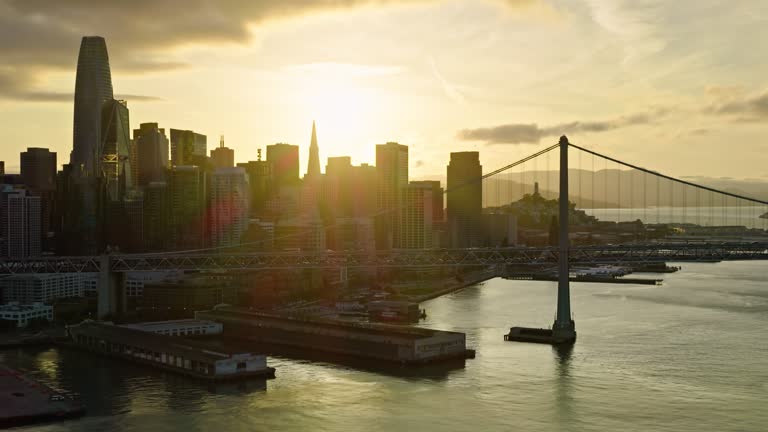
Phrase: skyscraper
x=391 y=178
x=229 y=206
x=23 y=215
x=259 y=183
x=115 y=164
x=416 y=216
x=222 y=157
x=283 y=162
x=313 y=167
x=188 y=147
x=152 y=153
x=93 y=87
x=38 y=168
x=187 y=204
x=465 y=199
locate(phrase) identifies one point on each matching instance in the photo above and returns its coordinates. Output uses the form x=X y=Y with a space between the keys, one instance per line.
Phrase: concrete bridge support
x=111 y=294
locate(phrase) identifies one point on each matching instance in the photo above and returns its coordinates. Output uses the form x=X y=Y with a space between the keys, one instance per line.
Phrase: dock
x=392 y=343
x=24 y=401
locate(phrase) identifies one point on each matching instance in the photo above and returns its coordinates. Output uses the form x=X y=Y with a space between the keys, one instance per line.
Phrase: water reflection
x=566 y=415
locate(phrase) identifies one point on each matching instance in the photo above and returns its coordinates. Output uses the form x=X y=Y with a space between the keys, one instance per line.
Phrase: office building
x=22 y=214
x=188 y=148
x=22 y=315
x=222 y=157
x=42 y=287
x=391 y=178
x=156 y=217
x=464 y=195
x=283 y=162
x=313 y=166
x=93 y=87
x=363 y=187
x=416 y=219
x=115 y=164
x=258 y=182
x=188 y=295
x=229 y=206
x=152 y=153
x=2 y=168
x=500 y=229
x=188 y=191
x=38 y=169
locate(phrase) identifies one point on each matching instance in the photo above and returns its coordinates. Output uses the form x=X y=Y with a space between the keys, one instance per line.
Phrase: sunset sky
x=677 y=86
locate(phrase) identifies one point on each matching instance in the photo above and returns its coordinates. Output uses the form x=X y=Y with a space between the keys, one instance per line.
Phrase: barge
x=537 y=335
x=392 y=343
x=186 y=357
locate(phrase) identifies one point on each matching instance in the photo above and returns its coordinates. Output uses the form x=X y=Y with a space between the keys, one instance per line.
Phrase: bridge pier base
x=110 y=292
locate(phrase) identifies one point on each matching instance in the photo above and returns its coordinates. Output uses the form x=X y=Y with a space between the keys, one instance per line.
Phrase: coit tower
x=93 y=87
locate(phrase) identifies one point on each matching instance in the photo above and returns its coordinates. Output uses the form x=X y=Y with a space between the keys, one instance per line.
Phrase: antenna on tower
x=221 y=141
x=258 y=154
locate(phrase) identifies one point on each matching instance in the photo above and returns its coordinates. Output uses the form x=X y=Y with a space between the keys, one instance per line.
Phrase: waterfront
x=687 y=355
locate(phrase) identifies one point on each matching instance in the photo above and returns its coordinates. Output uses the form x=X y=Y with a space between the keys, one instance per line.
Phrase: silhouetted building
x=229 y=206
x=38 y=173
x=259 y=183
x=301 y=233
x=134 y=227
x=24 y=227
x=93 y=87
x=500 y=229
x=156 y=221
x=222 y=157
x=351 y=233
x=188 y=295
x=416 y=216
x=337 y=186
x=465 y=199
x=115 y=149
x=363 y=190
x=188 y=147
x=313 y=167
x=187 y=207
x=152 y=153
x=392 y=177
x=283 y=162
x=437 y=198
x=38 y=168
x=2 y=168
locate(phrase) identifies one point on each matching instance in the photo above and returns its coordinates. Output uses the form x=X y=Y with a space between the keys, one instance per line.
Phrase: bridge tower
x=110 y=293
x=564 y=328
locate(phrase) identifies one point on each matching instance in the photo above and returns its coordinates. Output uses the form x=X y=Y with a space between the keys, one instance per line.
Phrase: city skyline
x=418 y=82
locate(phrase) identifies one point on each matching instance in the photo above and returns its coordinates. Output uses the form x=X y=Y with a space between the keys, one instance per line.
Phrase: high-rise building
x=156 y=221
x=187 y=207
x=93 y=87
x=283 y=162
x=229 y=206
x=115 y=151
x=437 y=198
x=337 y=187
x=259 y=183
x=24 y=233
x=313 y=167
x=222 y=157
x=44 y=287
x=416 y=216
x=2 y=168
x=465 y=200
x=363 y=190
x=391 y=178
x=152 y=153
x=38 y=168
x=134 y=227
x=188 y=147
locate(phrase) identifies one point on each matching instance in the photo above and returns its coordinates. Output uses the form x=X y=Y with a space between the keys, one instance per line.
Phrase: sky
x=680 y=87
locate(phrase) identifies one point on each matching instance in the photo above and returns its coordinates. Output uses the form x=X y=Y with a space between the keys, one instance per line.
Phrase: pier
x=401 y=344
x=25 y=401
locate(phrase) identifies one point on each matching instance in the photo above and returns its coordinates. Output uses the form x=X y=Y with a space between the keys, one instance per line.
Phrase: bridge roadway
x=583 y=255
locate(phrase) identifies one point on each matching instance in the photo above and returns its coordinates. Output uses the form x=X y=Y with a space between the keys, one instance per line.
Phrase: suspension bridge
x=608 y=212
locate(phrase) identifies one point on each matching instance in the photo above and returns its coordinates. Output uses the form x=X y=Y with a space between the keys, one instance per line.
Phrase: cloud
x=741 y=108
x=38 y=36
x=345 y=70
x=517 y=133
x=451 y=90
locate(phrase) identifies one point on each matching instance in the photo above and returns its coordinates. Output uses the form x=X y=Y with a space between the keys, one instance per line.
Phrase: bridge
x=646 y=196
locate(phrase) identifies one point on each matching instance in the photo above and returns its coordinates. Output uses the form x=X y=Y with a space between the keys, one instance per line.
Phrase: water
x=686 y=356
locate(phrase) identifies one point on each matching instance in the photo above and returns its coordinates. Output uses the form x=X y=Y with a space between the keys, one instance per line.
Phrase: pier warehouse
x=165 y=352
x=411 y=345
